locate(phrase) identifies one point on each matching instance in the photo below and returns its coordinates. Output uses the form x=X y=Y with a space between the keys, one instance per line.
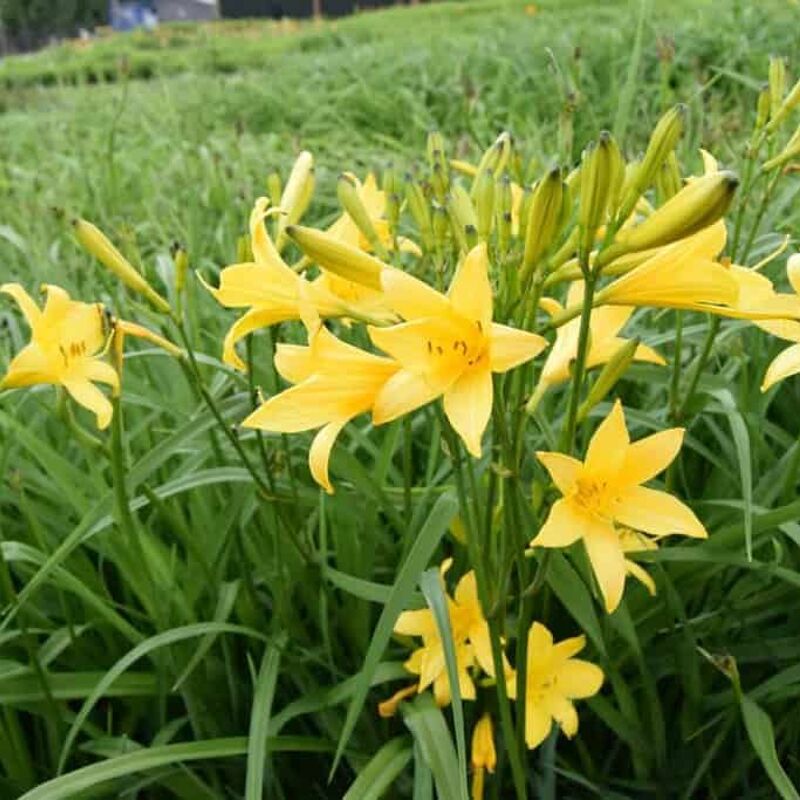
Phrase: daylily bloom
x=335 y=382
x=448 y=347
x=604 y=325
x=268 y=287
x=605 y=489
x=788 y=362
x=470 y=635
x=484 y=756
x=553 y=680
x=68 y=341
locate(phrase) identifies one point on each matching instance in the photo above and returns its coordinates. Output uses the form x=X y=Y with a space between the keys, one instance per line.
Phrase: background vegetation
x=169 y=136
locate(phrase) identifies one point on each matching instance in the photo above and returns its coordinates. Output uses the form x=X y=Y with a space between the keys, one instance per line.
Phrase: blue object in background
x=125 y=15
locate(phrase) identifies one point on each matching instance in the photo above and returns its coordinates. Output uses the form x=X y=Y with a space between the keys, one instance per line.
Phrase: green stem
x=699 y=366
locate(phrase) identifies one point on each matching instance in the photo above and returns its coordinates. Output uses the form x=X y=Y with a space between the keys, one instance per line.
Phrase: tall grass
x=165 y=652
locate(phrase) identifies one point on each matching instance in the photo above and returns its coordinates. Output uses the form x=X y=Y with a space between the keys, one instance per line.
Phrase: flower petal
x=26 y=304
x=89 y=396
x=93 y=369
x=567 y=648
x=538 y=723
x=468 y=405
x=540 y=645
x=511 y=347
x=578 y=678
x=606 y=452
x=419 y=622
x=264 y=251
x=564 y=713
x=608 y=562
x=647 y=457
x=320 y=453
x=251 y=321
x=410 y=297
x=30 y=366
x=565 y=524
x=563 y=469
x=403 y=393
x=782 y=366
x=641 y=575
x=293 y=362
x=470 y=290
x=249 y=284
x=657 y=513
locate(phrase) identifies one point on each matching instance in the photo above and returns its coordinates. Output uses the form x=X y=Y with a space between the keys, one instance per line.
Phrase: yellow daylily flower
x=553 y=680
x=335 y=382
x=68 y=340
x=470 y=635
x=606 y=489
x=604 y=325
x=268 y=287
x=448 y=347
x=786 y=363
x=484 y=755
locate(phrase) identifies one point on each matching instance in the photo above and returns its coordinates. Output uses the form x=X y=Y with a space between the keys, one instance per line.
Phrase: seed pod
x=347 y=191
x=350 y=263
x=95 y=242
x=544 y=217
x=698 y=205
x=296 y=195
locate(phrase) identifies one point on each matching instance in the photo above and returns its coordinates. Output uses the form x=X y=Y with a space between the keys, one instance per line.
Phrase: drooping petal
x=647 y=457
x=788 y=329
x=90 y=397
x=468 y=405
x=563 y=469
x=249 y=284
x=538 y=723
x=606 y=452
x=578 y=678
x=25 y=302
x=511 y=347
x=657 y=513
x=565 y=524
x=641 y=575
x=320 y=453
x=782 y=366
x=608 y=562
x=93 y=369
x=403 y=393
x=645 y=353
x=251 y=321
x=470 y=290
x=564 y=713
x=410 y=297
x=264 y=250
x=29 y=367
x=607 y=321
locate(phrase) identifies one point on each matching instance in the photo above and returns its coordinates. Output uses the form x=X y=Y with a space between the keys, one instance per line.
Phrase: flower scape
x=489 y=304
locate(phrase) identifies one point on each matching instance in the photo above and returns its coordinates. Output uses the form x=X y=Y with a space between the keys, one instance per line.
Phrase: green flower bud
x=544 y=218
x=347 y=192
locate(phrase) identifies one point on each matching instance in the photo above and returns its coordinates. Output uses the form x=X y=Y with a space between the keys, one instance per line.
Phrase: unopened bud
x=244 y=250
x=663 y=140
x=484 y=205
x=790 y=151
x=274 y=189
x=440 y=167
x=95 y=242
x=392 y=211
x=344 y=260
x=418 y=206
x=601 y=177
x=296 y=195
x=668 y=179
x=524 y=212
x=462 y=214
x=698 y=205
x=441 y=226
x=347 y=190
x=544 y=218
x=495 y=159
x=181 y=260
x=792 y=99
x=503 y=204
x=763 y=107
x=777 y=83
x=611 y=372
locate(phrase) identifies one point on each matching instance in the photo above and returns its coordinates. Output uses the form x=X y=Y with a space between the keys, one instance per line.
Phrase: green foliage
x=159 y=647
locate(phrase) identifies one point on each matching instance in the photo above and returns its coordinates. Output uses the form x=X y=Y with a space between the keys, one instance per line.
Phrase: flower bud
x=440 y=168
x=668 y=179
x=524 y=212
x=663 y=140
x=274 y=189
x=792 y=99
x=95 y=242
x=495 y=159
x=503 y=204
x=418 y=206
x=698 y=205
x=544 y=218
x=344 y=260
x=347 y=190
x=611 y=372
x=790 y=151
x=462 y=214
x=777 y=83
x=296 y=195
x=763 y=107
x=484 y=205
x=181 y=260
x=601 y=176
x=441 y=227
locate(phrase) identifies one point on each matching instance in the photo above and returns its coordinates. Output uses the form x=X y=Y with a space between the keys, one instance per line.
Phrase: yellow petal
x=647 y=457
x=416 y=623
x=782 y=366
x=511 y=347
x=320 y=453
x=483 y=751
x=468 y=405
x=793 y=271
x=563 y=469
x=657 y=513
x=26 y=304
x=293 y=362
x=608 y=562
x=788 y=329
x=466 y=593
x=578 y=678
x=90 y=397
x=637 y=572
x=607 y=322
x=406 y=245
x=538 y=723
x=140 y=332
x=93 y=369
x=645 y=353
x=251 y=321
x=565 y=524
x=564 y=713
x=242 y=285
x=403 y=393
x=410 y=297
x=540 y=645
x=29 y=367
x=388 y=708
x=550 y=306
x=264 y=251
x=567 y=648
x=470 y=290
x=607 y=448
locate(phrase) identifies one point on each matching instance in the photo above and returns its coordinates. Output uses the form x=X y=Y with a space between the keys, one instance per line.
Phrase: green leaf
x=377 y=776
x=418 y=557
x=762 y=737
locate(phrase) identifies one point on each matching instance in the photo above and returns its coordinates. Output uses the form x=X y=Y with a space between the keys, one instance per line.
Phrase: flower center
x=468 y=347
x=591 y=494
x=72 y=351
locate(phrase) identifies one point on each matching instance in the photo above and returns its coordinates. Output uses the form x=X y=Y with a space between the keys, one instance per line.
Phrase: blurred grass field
x=170 y=136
